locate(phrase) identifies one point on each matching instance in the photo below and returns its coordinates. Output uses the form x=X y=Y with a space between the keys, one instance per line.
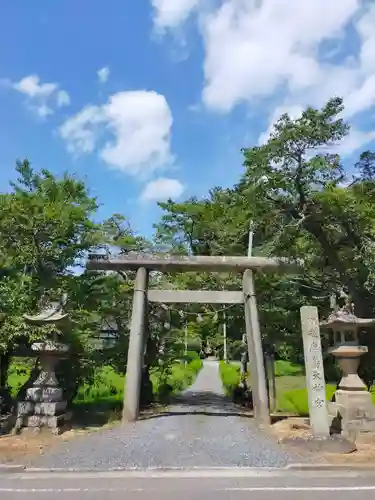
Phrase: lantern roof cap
x=53 y=312
x=345 y=317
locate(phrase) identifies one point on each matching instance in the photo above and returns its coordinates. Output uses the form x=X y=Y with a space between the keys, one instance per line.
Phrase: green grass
x=288 y=378
x=296 y=401
x=107 y=387
x=290 y=382
x=100 y=403
x=291 y=391
x=230 y=373
x=290 y=385
x=286 y=369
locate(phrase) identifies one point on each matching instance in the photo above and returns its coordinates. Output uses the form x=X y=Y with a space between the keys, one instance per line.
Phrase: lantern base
x=354 y=411
x=354 y=400
x=44 y=405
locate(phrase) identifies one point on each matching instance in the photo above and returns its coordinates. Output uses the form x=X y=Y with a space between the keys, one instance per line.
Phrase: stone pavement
x=202 y=429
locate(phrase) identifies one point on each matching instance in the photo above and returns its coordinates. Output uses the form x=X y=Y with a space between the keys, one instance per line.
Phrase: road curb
x=70 y=470
x=296 y=467
x=330 y=467
x=12 y=468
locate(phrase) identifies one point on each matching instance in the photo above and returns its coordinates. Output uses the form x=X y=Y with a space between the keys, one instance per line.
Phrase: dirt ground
x=300 y=427
x=20 y=449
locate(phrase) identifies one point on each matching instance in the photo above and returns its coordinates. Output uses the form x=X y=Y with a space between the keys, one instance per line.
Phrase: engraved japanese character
x=312 y=323
x=316 y=375
x=314 y=346
x=317 y=362
x=319 y=402
x=317 y=387
x=314 y=334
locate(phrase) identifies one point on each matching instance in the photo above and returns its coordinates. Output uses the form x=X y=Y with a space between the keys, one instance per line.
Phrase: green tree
x=45 y=224
x=45 y=230
x=296 y=187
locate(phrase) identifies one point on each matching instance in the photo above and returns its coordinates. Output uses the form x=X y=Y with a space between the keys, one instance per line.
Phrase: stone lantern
x=44 y=404
x=353 y=402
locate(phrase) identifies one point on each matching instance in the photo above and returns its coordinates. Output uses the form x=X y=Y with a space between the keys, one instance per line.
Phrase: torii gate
x=143 y=264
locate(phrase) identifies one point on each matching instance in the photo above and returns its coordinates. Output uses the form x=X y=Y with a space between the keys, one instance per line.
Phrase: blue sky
x=148 y=99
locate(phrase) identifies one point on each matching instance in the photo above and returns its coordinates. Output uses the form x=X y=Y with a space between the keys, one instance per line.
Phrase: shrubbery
x=176 y=378
x=108 y=386
x=230 y=377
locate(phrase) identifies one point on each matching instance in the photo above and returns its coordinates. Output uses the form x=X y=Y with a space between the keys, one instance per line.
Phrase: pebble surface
x=202 y=429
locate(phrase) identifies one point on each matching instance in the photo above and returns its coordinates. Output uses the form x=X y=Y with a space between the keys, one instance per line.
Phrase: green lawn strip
x=230 y=373
x=296 y=400
x=291 y=388
x=286 y=368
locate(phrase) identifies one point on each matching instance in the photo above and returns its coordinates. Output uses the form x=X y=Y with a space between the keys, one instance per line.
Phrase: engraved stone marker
x=312 y=347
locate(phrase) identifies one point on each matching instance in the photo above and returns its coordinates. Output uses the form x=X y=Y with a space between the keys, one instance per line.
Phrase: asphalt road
x=200 y=485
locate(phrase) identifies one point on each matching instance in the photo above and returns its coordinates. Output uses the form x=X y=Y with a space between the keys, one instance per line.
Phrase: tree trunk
x=5 y=359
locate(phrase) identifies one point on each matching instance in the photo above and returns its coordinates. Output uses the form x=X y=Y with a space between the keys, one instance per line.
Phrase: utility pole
x=225 y=337
x=251 y=237
x=244 y=358
x=186 y=340
x=184 y=317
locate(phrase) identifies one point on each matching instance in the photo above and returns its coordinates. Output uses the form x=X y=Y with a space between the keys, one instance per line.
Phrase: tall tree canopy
x=303 y=201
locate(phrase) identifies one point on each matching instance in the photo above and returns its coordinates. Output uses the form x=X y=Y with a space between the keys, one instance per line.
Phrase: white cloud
x=63 y=98
x=162 y=189
x=30 y=86
x=172 y=13
x=43 y=110
x=291 y=52
x=140 y=124
x=355 y=141
x=254 y=49
x=103 y=74
x=81 y=131
x=43 y=98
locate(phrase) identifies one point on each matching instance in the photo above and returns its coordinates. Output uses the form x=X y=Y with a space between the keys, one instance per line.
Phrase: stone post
x=136 y=347
x=254 y=342
x=315 y=382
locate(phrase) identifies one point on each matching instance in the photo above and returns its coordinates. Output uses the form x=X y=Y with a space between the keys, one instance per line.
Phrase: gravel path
x=202 y=429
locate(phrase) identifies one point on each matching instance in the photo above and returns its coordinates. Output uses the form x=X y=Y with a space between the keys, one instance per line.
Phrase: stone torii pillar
x=254 y=342
x=137 y=340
